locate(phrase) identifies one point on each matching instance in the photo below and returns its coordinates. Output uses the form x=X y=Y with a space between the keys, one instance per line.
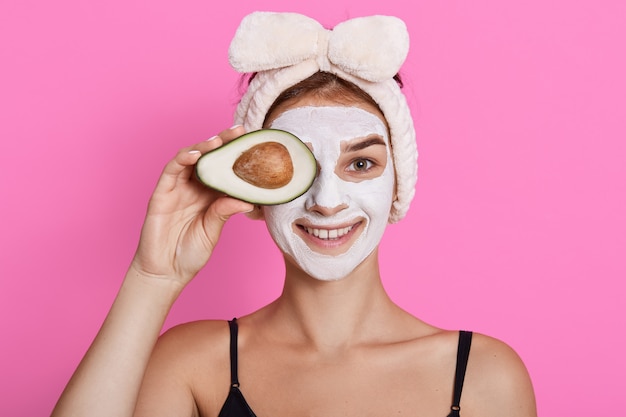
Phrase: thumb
x=222 y=209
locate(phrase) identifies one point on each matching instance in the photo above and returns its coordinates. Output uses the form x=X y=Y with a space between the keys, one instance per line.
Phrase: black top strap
x=462 y=355
x=234 y=379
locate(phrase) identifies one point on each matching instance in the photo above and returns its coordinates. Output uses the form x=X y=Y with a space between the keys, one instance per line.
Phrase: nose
x=326 y=196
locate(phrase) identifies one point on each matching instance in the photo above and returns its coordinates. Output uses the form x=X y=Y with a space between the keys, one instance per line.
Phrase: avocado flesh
x=216 y=169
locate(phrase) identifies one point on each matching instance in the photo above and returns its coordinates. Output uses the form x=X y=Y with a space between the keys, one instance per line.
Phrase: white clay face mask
x=338 y=222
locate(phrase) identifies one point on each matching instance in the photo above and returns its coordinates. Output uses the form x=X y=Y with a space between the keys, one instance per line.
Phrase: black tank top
x=236 y=405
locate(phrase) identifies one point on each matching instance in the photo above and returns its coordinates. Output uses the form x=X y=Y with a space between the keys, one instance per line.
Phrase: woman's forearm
x=108 y=379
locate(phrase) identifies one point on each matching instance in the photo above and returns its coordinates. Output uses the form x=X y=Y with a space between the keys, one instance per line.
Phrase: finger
x=226 y=207
x=232 y=133
x=208 y=145
x=223 y=209
x=180 y=169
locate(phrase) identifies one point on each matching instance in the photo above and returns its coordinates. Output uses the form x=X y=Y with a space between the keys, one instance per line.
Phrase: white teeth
x=328 y=233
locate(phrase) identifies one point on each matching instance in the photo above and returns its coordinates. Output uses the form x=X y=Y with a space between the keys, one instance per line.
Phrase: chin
x=335 y=266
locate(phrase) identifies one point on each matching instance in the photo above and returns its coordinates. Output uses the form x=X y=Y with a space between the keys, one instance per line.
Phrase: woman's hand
x=185 y=218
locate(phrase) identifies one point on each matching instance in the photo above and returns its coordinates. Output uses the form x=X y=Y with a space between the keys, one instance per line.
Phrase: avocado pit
x=266 y=165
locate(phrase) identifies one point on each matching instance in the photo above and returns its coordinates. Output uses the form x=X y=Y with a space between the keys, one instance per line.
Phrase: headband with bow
x=372 y=48
x=286 y=48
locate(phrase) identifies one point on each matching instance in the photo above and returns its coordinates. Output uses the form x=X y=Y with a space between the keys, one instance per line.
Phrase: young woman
x=333 y=343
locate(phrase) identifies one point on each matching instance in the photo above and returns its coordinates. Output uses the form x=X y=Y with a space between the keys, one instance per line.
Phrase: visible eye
x=360 y=164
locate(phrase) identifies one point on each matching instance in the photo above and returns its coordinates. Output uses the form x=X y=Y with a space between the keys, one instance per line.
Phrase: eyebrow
x=369 y=141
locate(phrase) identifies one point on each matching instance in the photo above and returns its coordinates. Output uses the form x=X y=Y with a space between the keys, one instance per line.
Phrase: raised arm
x=182 y=226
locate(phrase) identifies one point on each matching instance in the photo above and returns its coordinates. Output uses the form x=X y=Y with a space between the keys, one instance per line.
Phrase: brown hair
x=325 y=85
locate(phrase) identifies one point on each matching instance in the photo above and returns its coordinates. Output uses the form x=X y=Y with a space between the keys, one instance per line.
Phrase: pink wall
x=517 y=230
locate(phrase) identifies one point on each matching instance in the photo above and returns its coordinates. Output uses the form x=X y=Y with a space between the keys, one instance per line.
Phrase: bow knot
x=322 y=50
x=372 y=48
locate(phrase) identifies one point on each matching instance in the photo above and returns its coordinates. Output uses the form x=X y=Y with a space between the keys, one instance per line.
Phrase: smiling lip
x=329 y=234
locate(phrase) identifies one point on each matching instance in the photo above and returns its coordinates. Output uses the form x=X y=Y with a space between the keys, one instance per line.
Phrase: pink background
x=518 y=228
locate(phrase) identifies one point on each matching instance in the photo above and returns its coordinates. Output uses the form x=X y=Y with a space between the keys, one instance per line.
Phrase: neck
x=333 y=315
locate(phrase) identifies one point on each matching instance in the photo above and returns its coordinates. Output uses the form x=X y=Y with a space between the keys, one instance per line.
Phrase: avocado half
x=267 y=166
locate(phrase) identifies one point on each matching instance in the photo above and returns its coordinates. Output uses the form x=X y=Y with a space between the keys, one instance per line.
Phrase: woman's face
x=339 y=221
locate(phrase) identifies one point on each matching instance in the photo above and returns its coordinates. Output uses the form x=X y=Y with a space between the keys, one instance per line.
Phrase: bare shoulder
x=188 y=372
x=195 y=351
x=497 y=382
x=186 y=339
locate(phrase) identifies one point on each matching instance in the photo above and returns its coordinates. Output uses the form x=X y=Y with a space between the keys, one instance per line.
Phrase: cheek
x=282 y=215
x=374 y=196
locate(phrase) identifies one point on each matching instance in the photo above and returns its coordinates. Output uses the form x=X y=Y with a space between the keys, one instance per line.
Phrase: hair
x=325 y=85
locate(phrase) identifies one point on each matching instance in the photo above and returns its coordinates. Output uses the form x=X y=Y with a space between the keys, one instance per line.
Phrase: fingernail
x=235 y=126
x=194 y=152
x=211 y=138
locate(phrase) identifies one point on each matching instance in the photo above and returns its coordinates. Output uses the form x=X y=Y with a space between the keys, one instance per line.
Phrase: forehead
x=316 y=125
x=311 y=101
